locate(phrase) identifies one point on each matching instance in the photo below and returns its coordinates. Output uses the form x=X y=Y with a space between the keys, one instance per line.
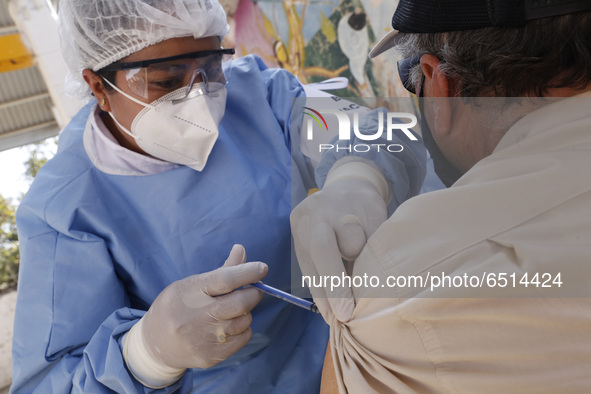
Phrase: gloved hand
x=195 y=322
x=335 y=223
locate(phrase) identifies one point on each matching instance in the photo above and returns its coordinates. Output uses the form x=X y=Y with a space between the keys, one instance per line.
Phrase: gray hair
x=510 y=62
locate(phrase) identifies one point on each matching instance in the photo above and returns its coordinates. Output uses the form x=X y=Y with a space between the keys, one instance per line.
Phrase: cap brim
x=388 y=41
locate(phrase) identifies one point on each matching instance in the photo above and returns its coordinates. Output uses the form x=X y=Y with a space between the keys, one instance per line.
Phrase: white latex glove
x=335 y=223
x=195 y=322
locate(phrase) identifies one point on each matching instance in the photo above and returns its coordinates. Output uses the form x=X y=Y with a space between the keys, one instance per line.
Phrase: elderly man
x=484 y=286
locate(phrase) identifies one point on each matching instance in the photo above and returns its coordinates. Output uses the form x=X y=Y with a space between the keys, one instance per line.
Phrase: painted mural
x=321 y=39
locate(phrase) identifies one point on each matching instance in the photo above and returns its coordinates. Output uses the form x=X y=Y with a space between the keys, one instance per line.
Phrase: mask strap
x=127 y=95
x=123 y=128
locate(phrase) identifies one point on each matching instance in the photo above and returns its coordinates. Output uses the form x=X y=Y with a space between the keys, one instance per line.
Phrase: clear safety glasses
x=154 y=78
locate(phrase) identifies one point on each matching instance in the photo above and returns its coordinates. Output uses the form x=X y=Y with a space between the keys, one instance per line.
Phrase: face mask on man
x=179 y=131
x=443 y=168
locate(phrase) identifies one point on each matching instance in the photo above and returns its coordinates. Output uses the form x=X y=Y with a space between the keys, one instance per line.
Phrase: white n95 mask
x=181 y=131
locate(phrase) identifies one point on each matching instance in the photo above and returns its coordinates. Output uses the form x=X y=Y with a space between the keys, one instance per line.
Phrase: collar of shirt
x=545 y=119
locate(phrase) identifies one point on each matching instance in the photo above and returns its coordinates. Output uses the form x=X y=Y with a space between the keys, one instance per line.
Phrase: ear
x=437 y=89
x=96 y=85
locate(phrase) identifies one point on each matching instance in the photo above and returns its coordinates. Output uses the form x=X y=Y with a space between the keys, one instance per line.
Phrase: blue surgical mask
x=443 y=168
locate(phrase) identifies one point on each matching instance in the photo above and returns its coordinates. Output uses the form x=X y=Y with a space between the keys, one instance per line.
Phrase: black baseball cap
x=439 y=16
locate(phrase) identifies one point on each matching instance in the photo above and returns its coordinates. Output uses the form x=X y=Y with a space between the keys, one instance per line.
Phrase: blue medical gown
x=96 y=250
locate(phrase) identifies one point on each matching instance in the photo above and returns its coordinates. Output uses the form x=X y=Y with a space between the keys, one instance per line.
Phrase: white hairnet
x=96 y=33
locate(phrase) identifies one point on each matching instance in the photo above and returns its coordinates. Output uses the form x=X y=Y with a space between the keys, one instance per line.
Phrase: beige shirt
x=524 y=209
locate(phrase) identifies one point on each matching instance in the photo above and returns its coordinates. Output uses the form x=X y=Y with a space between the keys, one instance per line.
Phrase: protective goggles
x=154 y=78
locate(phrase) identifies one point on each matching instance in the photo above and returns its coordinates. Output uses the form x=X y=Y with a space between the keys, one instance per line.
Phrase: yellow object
x=281 y=53
x=268 y=26
x=327 y=29
x=13 y=53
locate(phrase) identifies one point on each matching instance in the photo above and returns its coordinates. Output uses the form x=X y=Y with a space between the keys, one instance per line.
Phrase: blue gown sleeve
x=282 y=89
x=54 y=296
x=404 y=170
x=72 y=307
x=252 y=78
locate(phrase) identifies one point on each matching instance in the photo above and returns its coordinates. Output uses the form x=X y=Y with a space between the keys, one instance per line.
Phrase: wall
x=317 y=40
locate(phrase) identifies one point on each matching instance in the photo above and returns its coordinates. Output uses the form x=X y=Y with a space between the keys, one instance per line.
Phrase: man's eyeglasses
x=154 y=78
x=404 y=67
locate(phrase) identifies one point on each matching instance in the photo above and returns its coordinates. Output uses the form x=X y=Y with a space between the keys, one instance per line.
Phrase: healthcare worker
x=129 y=279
